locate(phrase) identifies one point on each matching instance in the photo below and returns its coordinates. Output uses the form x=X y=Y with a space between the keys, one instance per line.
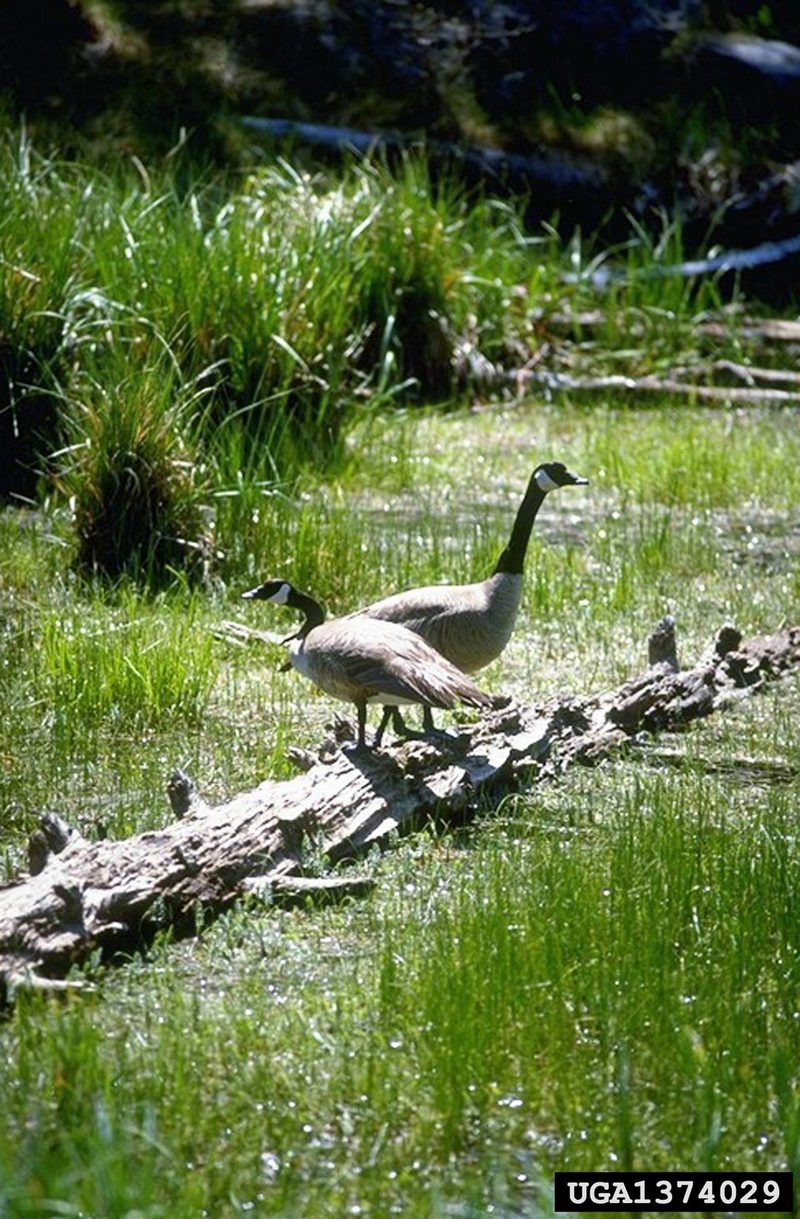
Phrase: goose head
x=552 y=474
x=279 y=592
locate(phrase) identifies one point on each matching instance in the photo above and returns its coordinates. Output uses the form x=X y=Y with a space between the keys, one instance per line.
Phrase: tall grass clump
x=44 y=207
x=131 y=475
x=312 y=294
x=436 y=270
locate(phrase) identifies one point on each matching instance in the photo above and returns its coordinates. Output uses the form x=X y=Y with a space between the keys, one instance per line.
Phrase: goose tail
x=443 y=685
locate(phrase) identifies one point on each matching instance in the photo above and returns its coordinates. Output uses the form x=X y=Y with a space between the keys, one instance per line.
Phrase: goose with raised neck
x=470 y=624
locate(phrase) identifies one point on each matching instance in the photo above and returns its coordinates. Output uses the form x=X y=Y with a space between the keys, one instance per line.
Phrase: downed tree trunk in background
x=82 y=895
x=751 y=395
x=760 y=330
x=553 y=180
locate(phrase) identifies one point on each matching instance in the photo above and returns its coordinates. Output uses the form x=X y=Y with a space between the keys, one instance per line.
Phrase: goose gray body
x=470 y=624
x=365 y=661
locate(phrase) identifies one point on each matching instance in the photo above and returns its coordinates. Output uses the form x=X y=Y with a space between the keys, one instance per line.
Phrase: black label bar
x=674 y=1191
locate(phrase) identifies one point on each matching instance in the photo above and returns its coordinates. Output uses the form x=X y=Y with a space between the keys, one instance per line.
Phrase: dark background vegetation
x=604 y=118
x=685 y=95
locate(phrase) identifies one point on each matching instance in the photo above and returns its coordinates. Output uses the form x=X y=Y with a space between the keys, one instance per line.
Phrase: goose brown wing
x=468 y=623
x=368 y=674
x=407 y=667
x=408 y=687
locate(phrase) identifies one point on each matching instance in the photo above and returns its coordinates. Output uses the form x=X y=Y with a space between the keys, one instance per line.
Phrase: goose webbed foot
x=399 y=726
x=391 y=715
x=359 y=746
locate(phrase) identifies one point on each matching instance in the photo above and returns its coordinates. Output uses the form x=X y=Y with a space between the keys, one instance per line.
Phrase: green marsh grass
x=214 y=345
x=600 y=973
x=305 y=293
x=141 y=668
x=44 y=219
x=608 y=980
x=89 y=679
x=727 y=459
x=297 y=303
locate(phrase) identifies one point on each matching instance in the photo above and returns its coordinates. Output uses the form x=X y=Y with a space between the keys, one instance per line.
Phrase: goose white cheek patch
x=544 y=482
x=281 y=596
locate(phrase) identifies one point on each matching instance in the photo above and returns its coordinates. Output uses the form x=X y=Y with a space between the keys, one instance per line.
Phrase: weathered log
x=477 y=373
x=554 y=180
x=765 y=254
x=755 y=329
x=82 y=895
x=752 y=395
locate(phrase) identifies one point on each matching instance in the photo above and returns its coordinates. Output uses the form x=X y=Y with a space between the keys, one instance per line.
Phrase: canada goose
x=361 y=660
x=470 y=624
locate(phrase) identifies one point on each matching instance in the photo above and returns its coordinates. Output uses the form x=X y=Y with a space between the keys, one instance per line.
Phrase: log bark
x=575 y=186
x=759 y=329
x=79 y=896
x=476 y=372
x=751 y=395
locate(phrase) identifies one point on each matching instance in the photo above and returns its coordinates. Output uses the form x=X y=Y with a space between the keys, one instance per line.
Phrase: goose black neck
x=512 y=560
x=315 y=614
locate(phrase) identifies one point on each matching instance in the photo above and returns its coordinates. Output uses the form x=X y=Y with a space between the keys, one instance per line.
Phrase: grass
x=192 y=341
x=599 y=974
x=290 y=298
x=132 y=477
x=486 y=1020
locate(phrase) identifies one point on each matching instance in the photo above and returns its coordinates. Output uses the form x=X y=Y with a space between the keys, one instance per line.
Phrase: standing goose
x=470 y=624
x=362 y=661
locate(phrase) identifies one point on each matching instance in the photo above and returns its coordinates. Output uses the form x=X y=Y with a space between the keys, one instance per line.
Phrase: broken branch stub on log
x=81 y=895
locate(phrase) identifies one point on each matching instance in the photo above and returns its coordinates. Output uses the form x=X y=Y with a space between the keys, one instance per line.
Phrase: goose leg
x=399 y=726
x=387 y=715
x=361 y=742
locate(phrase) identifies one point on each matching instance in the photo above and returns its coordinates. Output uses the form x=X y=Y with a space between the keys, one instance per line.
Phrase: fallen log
x=552 y=180
x=473 y=370
x=79 y=896
x=751 y=395
x=758 y=329
x=764 y=254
